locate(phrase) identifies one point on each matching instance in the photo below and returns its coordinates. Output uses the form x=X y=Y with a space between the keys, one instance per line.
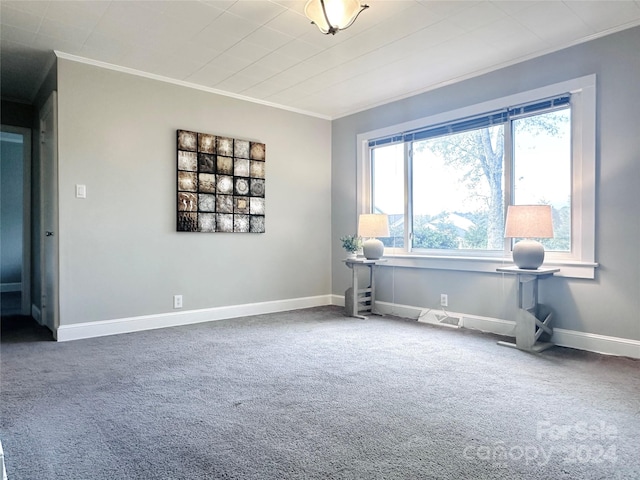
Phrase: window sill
x=569 y=269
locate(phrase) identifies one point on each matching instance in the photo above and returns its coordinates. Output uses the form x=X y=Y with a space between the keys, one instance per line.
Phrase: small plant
x=351 y=243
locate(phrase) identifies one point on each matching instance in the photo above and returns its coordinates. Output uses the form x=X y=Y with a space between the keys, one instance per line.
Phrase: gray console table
x=358 y=300
x=533 y=322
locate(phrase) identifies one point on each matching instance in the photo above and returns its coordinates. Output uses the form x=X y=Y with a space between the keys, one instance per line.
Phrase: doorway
x=15 y=220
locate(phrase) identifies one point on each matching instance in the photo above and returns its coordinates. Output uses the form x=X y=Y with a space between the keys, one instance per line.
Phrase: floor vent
x=440 y=317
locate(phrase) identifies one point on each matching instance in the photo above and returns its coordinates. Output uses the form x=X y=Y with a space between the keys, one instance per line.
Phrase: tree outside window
x=459 y=183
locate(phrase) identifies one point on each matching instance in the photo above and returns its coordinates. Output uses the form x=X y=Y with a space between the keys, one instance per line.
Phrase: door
x=49 y=212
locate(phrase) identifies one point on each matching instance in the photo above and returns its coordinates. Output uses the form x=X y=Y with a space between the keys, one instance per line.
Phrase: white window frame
x=580 y=262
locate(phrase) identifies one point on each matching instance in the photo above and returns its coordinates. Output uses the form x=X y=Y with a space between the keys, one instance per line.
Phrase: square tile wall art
x=221 y=184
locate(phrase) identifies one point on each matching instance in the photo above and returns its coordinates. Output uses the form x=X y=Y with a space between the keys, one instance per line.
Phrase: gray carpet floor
x=312 y=394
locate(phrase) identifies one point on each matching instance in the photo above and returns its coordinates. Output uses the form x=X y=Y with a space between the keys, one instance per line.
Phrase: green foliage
x=431 y=238
x=434 y=232
x=549 y=123
x=561 y=240
x=479 y=156
x=396 y=232
x=476 y=236
x=351 y=243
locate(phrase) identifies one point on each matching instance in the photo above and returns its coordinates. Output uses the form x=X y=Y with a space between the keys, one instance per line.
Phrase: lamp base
x=528 y=254
x=373 y=249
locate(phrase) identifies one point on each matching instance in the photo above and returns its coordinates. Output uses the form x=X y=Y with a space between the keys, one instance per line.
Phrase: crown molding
x=182 y=83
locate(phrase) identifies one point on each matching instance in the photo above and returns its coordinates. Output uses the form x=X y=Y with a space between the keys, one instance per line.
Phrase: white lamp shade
x=341 y=14
x=371 y=225
x=528 y=221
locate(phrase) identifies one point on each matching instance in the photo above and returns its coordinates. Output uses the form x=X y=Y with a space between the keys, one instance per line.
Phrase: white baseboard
x=593 y=342
x=561 y=337
x=337 y=300
x=102 y=328
x=565 y=338
x=498 y=326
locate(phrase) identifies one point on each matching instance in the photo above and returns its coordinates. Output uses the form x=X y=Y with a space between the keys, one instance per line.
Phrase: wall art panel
x=221 y=184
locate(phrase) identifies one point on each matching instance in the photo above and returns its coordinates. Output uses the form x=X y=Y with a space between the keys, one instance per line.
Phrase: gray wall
x=120 y=255
x=608 y=305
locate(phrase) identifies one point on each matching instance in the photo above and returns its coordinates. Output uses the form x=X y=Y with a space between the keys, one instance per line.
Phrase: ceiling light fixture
x=330 y=16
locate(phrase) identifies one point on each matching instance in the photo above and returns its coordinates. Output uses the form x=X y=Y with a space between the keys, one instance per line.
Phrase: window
x=446 y=181
x=458 y=185
x=542 y=170
x=387 y=165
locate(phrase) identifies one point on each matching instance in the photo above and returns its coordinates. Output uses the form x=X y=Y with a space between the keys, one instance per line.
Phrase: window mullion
x=508 y=175
x=408 y=196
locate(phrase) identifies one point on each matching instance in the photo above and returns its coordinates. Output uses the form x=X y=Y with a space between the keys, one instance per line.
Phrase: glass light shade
x=340 y=13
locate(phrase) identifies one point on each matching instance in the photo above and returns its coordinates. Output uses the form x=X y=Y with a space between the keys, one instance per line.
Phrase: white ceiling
x=267 y=50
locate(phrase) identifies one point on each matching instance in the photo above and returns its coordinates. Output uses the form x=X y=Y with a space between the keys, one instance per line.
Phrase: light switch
x=81 y=191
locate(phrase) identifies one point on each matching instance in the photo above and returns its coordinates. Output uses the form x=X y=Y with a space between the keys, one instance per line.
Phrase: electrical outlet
x=177 y=301
x=444 y=300
x=81 y=191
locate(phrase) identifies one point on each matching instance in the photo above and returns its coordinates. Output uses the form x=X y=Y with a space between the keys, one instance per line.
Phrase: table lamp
x=370 y=226
x=528 y=222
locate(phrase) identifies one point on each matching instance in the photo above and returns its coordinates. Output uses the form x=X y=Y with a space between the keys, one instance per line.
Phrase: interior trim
x=590 y=342
x=182 y=83
x=562 y=337
x=116 y=326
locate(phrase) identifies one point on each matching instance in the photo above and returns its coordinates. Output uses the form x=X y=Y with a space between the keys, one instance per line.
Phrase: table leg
x=354 y=285
x=529 y=327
